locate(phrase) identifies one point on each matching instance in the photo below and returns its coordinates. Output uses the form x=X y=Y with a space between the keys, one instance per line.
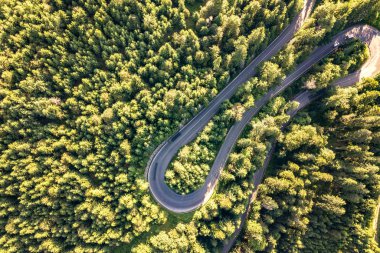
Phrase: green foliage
x=180 y=239
x=188 y=171
x=192 y=165
x=229 y=202
x=326 y=182
x=88 y=89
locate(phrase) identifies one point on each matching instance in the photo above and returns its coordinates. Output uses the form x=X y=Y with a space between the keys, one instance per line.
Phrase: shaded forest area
x=89 y=88
x=325 y=181
x=189 y=170
x=212 y=225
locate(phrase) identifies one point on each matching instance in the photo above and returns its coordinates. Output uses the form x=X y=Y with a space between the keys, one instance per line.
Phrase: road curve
x=185 y=203
x=370 y=68
x=160 y=159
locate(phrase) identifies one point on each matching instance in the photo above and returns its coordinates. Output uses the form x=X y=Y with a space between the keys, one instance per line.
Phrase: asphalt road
x=161 y=158
x=365 y=33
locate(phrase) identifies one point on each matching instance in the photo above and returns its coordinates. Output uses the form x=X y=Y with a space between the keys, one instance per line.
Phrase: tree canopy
x=89 y=89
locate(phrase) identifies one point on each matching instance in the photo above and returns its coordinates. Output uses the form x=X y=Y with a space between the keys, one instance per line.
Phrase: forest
x=324 y=183
x=89 y=89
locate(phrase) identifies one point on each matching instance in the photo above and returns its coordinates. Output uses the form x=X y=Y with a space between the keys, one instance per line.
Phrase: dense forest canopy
x=89 y=88
x=325 y=180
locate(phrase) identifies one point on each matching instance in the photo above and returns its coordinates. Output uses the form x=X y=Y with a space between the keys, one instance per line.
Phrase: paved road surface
x=161 y=158
x=365 y=33
x=172 y=201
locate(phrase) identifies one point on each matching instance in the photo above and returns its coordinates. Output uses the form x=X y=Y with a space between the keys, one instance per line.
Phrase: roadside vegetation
x=375 y=225
x=217 y=220
x=189 y=169
x=325 y=181
x=193 y=162
x=89 y=88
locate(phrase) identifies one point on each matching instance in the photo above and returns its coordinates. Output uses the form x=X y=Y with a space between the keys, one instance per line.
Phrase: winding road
x=370 y=68
x=161 y=158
